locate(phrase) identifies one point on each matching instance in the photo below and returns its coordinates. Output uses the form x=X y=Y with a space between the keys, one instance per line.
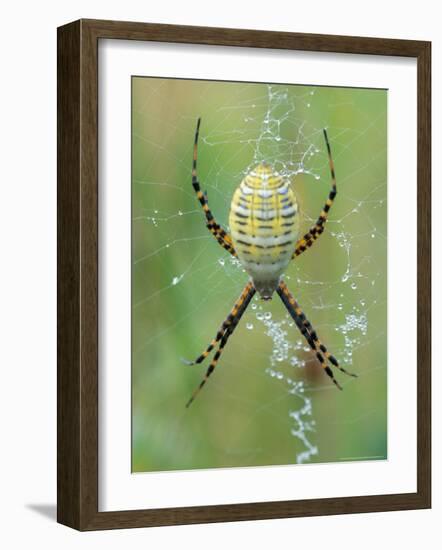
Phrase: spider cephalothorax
x=264 y=225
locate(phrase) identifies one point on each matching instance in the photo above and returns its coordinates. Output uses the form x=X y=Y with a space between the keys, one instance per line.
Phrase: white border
x=118 y=488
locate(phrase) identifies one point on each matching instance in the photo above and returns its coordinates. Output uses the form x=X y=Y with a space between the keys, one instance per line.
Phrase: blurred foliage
x=184 y=284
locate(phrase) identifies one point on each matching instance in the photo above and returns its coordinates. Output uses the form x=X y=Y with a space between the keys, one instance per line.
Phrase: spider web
x=340 y=282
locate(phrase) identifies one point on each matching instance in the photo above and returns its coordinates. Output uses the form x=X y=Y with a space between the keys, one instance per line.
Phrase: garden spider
x=264 y=224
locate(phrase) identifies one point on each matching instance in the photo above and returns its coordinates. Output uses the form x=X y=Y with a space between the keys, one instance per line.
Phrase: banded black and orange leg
x=309 y=333
x=223 y=335
x=295 y=312
x=316 y=230
x=226 y=323
x=306 y=323
x=217 y=231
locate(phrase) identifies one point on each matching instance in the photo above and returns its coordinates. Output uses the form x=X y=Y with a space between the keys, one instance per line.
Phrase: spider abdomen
x=264 y=224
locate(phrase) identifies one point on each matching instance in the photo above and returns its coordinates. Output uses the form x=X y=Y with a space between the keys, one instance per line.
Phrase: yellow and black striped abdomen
x=264 y=225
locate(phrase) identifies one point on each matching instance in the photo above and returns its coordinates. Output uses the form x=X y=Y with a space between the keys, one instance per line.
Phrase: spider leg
x=226 y=323
x=321 y=346
x=316 y=230
x=227 y=329
x=210 y=347
x=309 y=333
x=217 y=231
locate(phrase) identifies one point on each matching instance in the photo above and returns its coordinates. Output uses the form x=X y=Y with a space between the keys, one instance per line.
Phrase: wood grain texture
x=253 y=38
x=424 y=274
x=77 y=276
x=77 y=167
x=68 y=275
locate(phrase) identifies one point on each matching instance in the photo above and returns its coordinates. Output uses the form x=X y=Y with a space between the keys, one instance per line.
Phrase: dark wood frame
x=77 y=459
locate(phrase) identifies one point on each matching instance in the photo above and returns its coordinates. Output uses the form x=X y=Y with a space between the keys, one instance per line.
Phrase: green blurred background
x=268 y=402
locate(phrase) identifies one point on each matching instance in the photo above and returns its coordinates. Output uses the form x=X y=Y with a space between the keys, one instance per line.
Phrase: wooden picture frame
x=78 y=274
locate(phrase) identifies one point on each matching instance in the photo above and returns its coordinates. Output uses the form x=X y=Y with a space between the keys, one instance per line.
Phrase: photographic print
x=259 y=274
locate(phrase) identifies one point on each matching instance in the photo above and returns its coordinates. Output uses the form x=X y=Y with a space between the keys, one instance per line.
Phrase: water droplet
x=373 y=235
x=340 y=307
x=180 y=213
x=354 y=286
x=221 y=261
x=254 y=306
x=344 y=277
x=267 y=315
x=249 y=326
x=177 y=279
